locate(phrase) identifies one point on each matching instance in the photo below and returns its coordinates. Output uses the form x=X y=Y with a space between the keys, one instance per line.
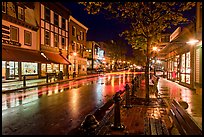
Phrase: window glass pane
x=56 y=40
x=16 y=68
x=20 y=13
x=28 y=38
x=63 y=23
x=47 y=37
x=43 y=69
x=182 y=77
x=4 y=7
x=56 y=19
x=29 y=68
x=47 y=14
x=187 y=78
x=183 y=63
x=14 y=34
x=188 y=62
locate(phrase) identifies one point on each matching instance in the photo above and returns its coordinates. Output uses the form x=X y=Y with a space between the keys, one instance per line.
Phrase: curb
x=59 y=81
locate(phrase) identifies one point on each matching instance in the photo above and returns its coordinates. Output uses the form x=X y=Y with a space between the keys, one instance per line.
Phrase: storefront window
x=187 y=78
x=183 y=63
x=29 y=68
x=56 y=68
x=182 y=77
x=49 y=68
x=188 y=62
x=16 y=68
x=61 y=67
x=43 y=69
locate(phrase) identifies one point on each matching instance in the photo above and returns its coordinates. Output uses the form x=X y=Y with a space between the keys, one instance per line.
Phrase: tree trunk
x=147 y=70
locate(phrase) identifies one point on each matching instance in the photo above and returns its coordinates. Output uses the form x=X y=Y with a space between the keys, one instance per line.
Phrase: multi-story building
x=183 y=57
x=52 y=36
x=77 y=46
x=38 y=37
x=20 y=49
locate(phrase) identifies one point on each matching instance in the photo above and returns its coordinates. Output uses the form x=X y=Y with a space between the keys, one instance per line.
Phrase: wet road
x=58 y=108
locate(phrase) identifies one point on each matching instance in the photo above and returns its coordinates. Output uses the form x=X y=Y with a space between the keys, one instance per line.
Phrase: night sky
x=100 y=28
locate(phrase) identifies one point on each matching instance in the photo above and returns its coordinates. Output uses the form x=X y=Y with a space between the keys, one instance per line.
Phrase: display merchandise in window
x=29 y=68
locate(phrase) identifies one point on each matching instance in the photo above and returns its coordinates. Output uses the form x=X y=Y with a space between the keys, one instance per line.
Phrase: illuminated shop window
x=29 y=68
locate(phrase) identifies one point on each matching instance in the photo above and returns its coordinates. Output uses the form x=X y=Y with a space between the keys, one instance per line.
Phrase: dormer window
x=21 y=14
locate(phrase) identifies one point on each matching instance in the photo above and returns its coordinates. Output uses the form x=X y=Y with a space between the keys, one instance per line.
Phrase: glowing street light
x=154 y=48
x=192 y=41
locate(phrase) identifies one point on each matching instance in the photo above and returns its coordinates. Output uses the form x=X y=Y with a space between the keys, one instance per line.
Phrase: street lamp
x=192 y=41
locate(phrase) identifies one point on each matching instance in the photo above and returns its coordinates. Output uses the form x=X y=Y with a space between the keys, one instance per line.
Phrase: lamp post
x=74 y=73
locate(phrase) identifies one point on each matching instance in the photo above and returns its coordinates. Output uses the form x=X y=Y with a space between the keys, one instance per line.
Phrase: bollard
x=47 y=78
x=117 y=125
x=24 y=80
x=89 y=125
x=127 y=89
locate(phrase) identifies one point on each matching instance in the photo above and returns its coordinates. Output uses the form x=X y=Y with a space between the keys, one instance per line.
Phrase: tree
x=147 y=21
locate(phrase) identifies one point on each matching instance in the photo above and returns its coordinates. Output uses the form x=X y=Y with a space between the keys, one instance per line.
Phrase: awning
x=22 y=55
x=56 y=58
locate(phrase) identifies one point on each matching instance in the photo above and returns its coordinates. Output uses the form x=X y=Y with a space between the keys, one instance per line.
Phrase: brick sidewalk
x=141 y=119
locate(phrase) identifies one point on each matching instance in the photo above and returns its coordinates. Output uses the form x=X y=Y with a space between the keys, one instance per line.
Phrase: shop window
x=29 y=68
x=21 y=14
x=56 y=41
x=47 y=14
x=183 y=63
x=49 y=68
x=4 y=7
x=56 y=19
x=14 y=33
x=43 y=69
x=27 y=38
x=188 y=62
x=73 y=31
x=16 y=68
x=47 y=37
x=63 y=23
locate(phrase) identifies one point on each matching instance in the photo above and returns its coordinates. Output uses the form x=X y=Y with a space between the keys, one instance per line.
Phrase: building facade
x=52 y=36
x=184 y=59
x=77 y=47
x=20 y=50
x=37 y=39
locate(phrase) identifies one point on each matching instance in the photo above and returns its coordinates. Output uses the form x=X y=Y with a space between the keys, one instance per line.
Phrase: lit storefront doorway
x=9 y=70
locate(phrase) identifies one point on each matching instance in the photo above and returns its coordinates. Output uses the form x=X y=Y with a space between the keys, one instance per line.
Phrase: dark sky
x=99 y=28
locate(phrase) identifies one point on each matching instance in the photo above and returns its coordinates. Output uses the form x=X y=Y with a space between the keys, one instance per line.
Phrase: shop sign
x=11 y=42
